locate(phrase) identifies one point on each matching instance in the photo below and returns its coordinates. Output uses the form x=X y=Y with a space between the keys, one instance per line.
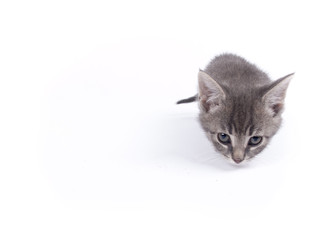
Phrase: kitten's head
x=240 y=122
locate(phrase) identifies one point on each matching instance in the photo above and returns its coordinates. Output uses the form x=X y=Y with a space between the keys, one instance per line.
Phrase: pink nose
x=237 y=160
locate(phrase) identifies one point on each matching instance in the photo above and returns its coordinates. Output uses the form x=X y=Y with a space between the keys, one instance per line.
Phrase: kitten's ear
x=276 y=93
x=210 y=92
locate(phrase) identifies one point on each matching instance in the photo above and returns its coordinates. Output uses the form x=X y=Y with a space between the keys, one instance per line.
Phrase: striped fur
x=236 y=98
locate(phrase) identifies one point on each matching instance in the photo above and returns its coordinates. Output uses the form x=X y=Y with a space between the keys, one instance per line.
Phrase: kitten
x=240 y=107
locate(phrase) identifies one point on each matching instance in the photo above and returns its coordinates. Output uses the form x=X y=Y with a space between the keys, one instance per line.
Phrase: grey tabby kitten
x=240 y=107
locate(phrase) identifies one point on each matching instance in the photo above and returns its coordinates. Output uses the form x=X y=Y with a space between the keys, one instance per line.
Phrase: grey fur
x=237 y=98
x=188 y=100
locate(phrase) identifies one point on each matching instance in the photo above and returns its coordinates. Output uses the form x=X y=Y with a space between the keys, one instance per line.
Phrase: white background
x=94 y=147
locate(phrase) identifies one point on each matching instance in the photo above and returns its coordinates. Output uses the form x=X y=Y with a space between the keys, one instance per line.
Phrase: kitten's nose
x=238 y=156
x=237 y=160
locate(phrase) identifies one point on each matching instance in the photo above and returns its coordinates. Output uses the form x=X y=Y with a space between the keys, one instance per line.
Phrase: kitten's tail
x=188 y=100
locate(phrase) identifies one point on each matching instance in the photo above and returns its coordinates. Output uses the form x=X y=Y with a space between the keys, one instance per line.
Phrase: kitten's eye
x=255 y=140
x=224 y=138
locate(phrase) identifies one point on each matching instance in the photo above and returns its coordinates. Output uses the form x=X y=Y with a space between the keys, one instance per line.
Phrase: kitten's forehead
x=250 y=130
x=241 y=117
